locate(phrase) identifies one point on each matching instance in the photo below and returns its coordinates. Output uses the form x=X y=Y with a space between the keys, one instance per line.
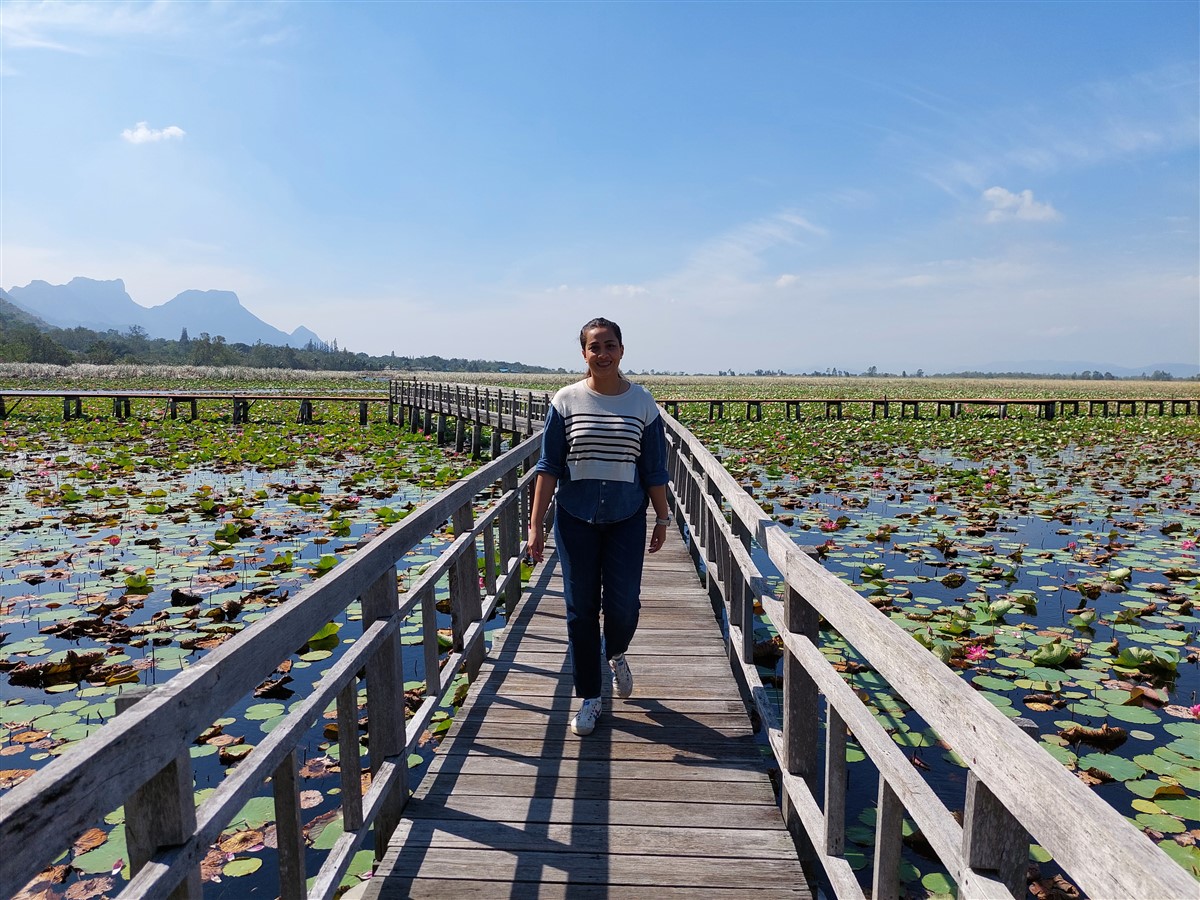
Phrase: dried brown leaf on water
x=212 y=864
x=319 y=767
x=90 y=840
x=1056 y=888
x=1103 y=738
x=310 y=799
x=90 y=888
x=41 y=888
x=242 y=841
x=12 y=777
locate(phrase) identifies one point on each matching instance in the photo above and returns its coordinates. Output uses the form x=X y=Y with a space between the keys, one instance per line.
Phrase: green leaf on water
x=1165 y=824
x=1118 y=768
x=246 y=865
x=1188 y=857
x=1184 y=807
x=1135 y=715
x=938 y=883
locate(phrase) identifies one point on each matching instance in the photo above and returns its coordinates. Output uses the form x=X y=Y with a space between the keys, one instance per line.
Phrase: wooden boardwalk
x=668 y=797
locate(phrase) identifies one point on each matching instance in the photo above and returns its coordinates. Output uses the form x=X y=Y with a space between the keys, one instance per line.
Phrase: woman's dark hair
x=599 y=322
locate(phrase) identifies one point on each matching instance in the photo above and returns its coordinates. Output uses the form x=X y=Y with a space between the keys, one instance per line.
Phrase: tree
x=183 y=336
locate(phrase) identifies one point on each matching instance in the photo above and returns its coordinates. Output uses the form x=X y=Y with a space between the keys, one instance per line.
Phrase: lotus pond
x=129 y=550
x=1054 y=564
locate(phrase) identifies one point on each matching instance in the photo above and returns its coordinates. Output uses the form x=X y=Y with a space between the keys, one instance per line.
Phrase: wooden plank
x=595 y=868
x=767 y=843
x=671 y=790
x=440 y=889
x=669 y=793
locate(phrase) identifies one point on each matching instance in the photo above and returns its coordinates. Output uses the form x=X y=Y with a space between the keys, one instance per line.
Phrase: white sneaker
x=585 y=720
x=621 y=676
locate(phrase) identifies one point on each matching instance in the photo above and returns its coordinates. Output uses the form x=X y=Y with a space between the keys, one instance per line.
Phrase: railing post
x=289 y=831
x=162 y=812
x=995 y=845
x=465 y=603
x=889 y=834
x=350 y=757
x=385 y=705
x=835 y=782
x=510 y=540
x=800 y=714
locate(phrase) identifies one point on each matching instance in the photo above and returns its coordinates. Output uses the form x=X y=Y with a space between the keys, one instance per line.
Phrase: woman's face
x=602 y=351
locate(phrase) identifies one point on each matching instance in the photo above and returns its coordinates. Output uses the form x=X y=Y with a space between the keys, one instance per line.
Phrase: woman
x=604 y=450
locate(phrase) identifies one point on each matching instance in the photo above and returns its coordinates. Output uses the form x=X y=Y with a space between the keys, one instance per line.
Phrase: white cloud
x=1006 y=205
x=785 y=279
x=626 y=290
x=142 y=133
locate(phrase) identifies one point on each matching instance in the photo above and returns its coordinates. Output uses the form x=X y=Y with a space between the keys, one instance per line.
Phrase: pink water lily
x=1196 y=711
x=1188 y=545
x=1167 y=479
x=975 y=654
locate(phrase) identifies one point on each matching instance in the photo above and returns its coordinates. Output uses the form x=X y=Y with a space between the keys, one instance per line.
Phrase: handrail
x=1014 y=786
x=140 y=759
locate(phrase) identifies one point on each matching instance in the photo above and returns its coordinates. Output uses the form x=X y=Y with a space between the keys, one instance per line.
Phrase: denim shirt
x=601 y=502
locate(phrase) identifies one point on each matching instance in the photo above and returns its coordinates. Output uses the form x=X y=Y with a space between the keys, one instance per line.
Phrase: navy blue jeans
x=602 y=571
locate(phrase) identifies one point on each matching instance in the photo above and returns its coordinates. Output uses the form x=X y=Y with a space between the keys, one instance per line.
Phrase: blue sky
x=788 y=186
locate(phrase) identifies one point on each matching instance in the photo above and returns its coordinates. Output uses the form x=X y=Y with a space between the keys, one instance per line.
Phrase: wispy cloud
x=1005 y=206
x=67 y=26
x=142 y=133
x=1088 y=125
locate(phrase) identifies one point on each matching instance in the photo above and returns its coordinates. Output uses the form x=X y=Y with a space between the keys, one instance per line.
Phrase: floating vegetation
x=1054 y=564
x=128 y=550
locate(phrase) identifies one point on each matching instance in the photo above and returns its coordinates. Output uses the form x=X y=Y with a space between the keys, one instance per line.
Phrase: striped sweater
x=604 y=433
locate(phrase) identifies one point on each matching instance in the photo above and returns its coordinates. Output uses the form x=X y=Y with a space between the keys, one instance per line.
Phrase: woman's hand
x=657 y=537
x=537 y=542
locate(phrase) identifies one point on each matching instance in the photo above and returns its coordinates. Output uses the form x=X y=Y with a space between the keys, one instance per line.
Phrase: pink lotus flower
x=113 y=539
x=975 y=654
x=1167 y=479
x=1196 y=711
x=827 y=525
x=1188 y=545
x=1071 y=545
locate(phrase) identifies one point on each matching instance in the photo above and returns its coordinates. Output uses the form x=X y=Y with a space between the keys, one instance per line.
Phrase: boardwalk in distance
x=668 y=797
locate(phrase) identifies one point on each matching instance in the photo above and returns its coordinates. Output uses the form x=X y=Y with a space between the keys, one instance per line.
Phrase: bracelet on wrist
x=666 y=521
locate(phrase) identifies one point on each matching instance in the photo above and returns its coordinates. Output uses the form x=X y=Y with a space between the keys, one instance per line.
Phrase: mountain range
x=104 y=305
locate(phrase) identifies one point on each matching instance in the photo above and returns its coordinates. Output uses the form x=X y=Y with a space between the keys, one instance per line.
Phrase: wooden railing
x=1014 y=788
x=140 y=759
x=519 y=412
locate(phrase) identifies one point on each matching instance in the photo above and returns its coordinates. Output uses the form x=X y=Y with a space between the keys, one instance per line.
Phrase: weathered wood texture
x=667 y=797
x=1017 y=786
